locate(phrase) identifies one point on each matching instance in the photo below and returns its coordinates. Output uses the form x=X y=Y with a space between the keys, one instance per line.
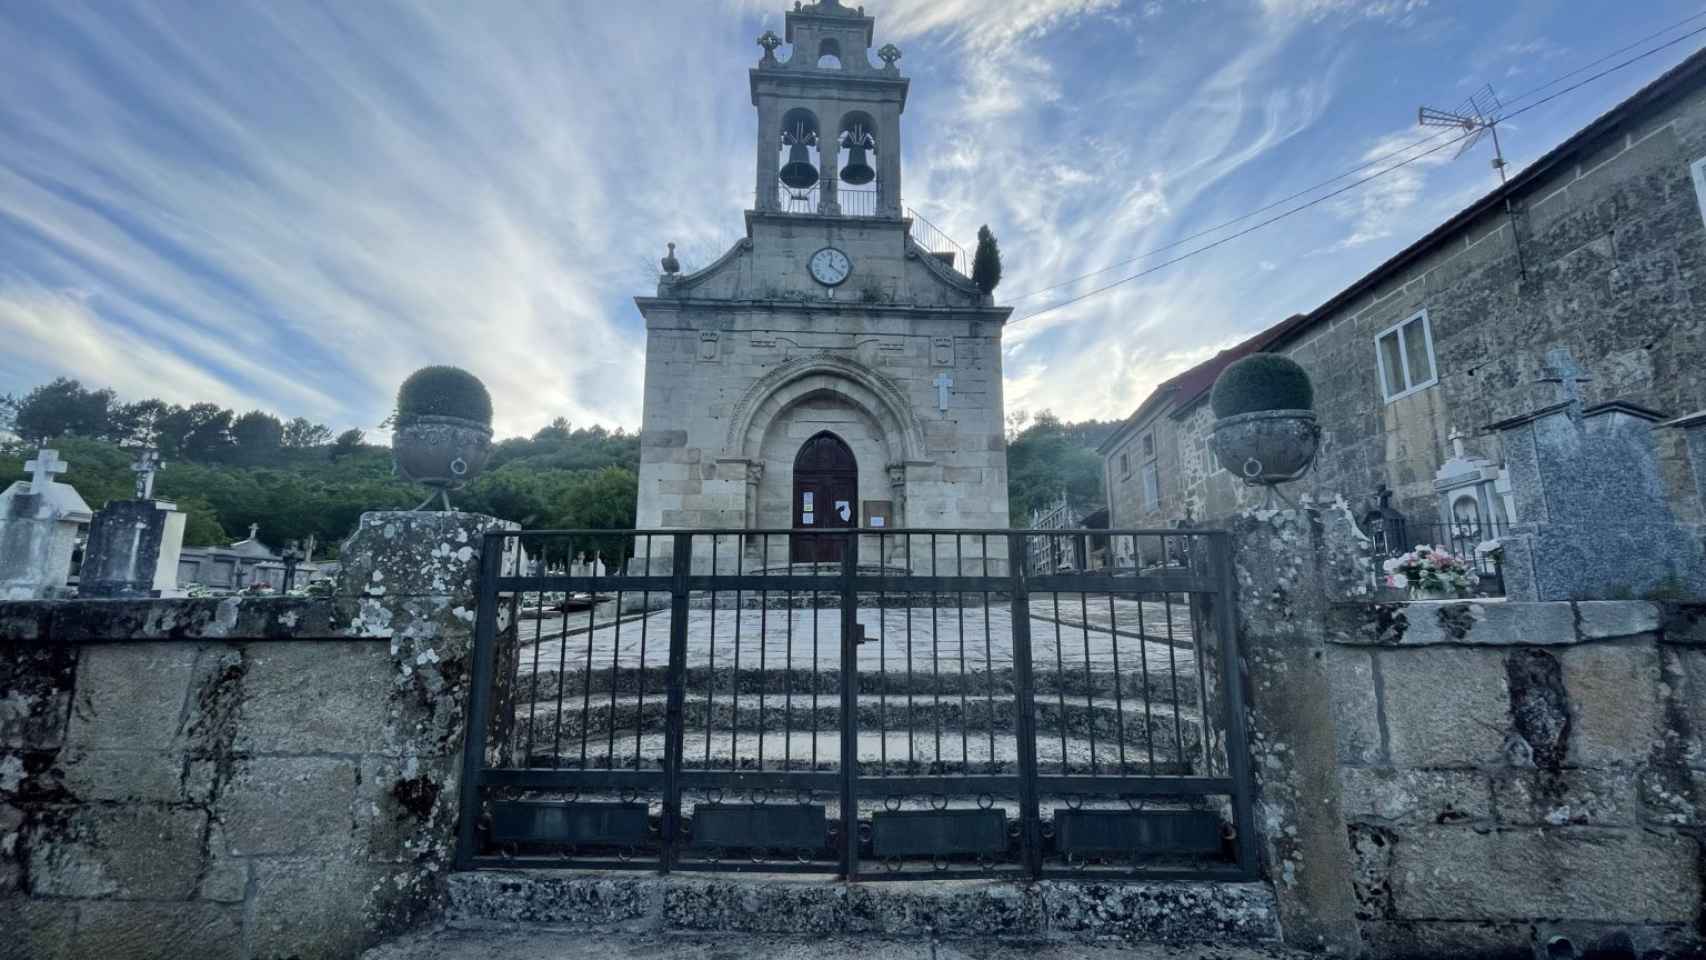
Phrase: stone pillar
x=1290 y=565
x=414 y=578
x=769 y=134
x=133 y=549
x=888 y=166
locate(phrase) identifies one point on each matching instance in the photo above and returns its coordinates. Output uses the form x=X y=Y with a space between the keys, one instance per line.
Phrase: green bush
x=1262 y=381
x=444 y=392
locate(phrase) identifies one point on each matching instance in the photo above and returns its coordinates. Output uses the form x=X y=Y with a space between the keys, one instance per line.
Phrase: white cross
x=42 y=469
x=1561 y=369
x=1456 y=439
x=942 y=383
x=146 y=464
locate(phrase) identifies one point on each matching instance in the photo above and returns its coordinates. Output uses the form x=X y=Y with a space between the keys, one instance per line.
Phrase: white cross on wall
x=42 y=469
x=942 y=383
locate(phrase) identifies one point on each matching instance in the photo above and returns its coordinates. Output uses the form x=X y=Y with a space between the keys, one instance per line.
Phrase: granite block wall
x=1513 y=773
x=245 y=778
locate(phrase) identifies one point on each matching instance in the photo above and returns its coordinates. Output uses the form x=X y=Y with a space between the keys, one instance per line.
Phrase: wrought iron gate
x=929 y=706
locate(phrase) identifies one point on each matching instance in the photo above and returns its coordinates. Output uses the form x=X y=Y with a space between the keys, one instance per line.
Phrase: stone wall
x=1452 y=779
x=1521 y=771
x=243 y=778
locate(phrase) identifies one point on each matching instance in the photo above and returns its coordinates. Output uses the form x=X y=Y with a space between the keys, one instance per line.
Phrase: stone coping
x=1077 y=910
x=178 y=618
x=1502 y=622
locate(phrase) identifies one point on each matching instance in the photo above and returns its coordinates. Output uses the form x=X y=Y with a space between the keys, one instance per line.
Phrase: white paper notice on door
x=806 y=502
x=844 y=510
x=809 y=519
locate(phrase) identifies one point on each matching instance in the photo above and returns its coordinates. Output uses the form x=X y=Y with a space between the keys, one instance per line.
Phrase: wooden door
x=826 y=497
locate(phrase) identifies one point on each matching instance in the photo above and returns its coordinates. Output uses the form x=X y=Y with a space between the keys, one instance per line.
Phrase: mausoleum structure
x=829 y=370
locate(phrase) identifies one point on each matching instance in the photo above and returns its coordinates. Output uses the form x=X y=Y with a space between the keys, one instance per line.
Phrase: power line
x=1361 y=166
x=1348 y=187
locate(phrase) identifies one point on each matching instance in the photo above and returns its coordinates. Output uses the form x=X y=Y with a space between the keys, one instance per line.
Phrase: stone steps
x=1161 y=685
x=1174 y=729
x=916 y=752
x=1230 y=915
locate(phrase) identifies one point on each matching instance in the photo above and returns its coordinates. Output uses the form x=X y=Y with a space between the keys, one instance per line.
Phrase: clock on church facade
x=828 y=370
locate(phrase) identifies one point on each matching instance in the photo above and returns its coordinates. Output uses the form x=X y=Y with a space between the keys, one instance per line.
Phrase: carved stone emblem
x=942 y=351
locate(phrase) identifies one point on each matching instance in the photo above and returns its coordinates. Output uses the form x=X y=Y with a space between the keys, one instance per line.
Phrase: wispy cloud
x=292 y=205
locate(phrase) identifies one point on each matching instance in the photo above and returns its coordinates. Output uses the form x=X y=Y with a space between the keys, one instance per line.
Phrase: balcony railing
x=852 y=201
x=867 y=202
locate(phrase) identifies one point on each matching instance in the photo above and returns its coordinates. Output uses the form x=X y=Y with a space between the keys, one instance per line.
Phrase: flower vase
x=1418 y=592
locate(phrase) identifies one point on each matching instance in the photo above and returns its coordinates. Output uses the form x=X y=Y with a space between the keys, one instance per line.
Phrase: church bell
x=858 y=171
x=798 y=173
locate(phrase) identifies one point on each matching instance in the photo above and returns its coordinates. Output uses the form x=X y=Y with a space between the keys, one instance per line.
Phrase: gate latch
x=859 y=635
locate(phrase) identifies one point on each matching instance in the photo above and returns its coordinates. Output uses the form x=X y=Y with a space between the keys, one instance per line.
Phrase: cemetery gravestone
x=134 y=545
x=39 y=520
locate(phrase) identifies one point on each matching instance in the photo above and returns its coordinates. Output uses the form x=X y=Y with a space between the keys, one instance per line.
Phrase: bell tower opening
x=829 y=54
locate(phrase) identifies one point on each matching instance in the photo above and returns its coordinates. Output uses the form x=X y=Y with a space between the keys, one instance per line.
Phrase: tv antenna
x=1477 y=116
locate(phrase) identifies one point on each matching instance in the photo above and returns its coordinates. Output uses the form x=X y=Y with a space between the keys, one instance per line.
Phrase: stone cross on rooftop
x=1561 y=369
x=147 y=464
x=42 y=469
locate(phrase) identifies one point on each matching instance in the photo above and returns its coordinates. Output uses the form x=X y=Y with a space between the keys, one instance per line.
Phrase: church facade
x=828 y=371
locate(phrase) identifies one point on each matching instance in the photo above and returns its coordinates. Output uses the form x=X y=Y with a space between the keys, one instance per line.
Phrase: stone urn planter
x=443 y=452
x=443 y=432
x=1266 y=432
x=1267 y=446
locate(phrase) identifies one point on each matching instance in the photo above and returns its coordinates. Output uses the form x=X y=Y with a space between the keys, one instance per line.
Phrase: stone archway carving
x=879 y=397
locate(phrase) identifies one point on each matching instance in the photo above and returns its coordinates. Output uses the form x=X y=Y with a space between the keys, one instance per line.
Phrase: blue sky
x=292 y=205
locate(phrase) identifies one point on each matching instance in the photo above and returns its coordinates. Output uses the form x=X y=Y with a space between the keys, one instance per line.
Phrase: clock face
x=830 y=266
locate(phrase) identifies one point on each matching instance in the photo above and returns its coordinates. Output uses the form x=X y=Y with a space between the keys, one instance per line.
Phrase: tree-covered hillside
x=294 y=478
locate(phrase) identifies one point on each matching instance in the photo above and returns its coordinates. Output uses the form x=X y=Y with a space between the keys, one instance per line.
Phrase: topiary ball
x=444 y=392
x=1262 y=381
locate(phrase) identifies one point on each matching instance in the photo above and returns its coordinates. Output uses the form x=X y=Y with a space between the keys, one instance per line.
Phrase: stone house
x=1595 y=248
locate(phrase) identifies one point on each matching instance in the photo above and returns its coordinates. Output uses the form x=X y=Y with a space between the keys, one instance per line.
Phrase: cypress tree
x=986 y=263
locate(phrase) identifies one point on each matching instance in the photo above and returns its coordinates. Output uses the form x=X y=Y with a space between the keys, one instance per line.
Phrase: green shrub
x=444 y=392
x=1262 y=381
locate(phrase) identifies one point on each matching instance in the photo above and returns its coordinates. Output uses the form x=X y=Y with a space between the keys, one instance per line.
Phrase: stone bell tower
x=836 y=367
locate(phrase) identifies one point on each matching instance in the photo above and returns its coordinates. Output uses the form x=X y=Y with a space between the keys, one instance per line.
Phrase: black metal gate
x=929 y=706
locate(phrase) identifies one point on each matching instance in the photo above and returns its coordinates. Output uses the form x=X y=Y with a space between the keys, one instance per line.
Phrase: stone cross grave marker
x=943 y=383
x=147 y=464
x=43 y=468
x=1561 y=368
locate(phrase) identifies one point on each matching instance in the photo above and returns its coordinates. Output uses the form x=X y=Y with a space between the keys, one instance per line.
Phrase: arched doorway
x=826 y=497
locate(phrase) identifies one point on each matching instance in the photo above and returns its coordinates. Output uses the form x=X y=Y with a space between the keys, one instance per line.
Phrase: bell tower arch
x=855 y=153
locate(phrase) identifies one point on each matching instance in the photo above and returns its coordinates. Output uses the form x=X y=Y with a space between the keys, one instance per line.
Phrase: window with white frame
x=1698 y=170
x=1151 y=472
x=1405 y=354
x=1151 y=486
